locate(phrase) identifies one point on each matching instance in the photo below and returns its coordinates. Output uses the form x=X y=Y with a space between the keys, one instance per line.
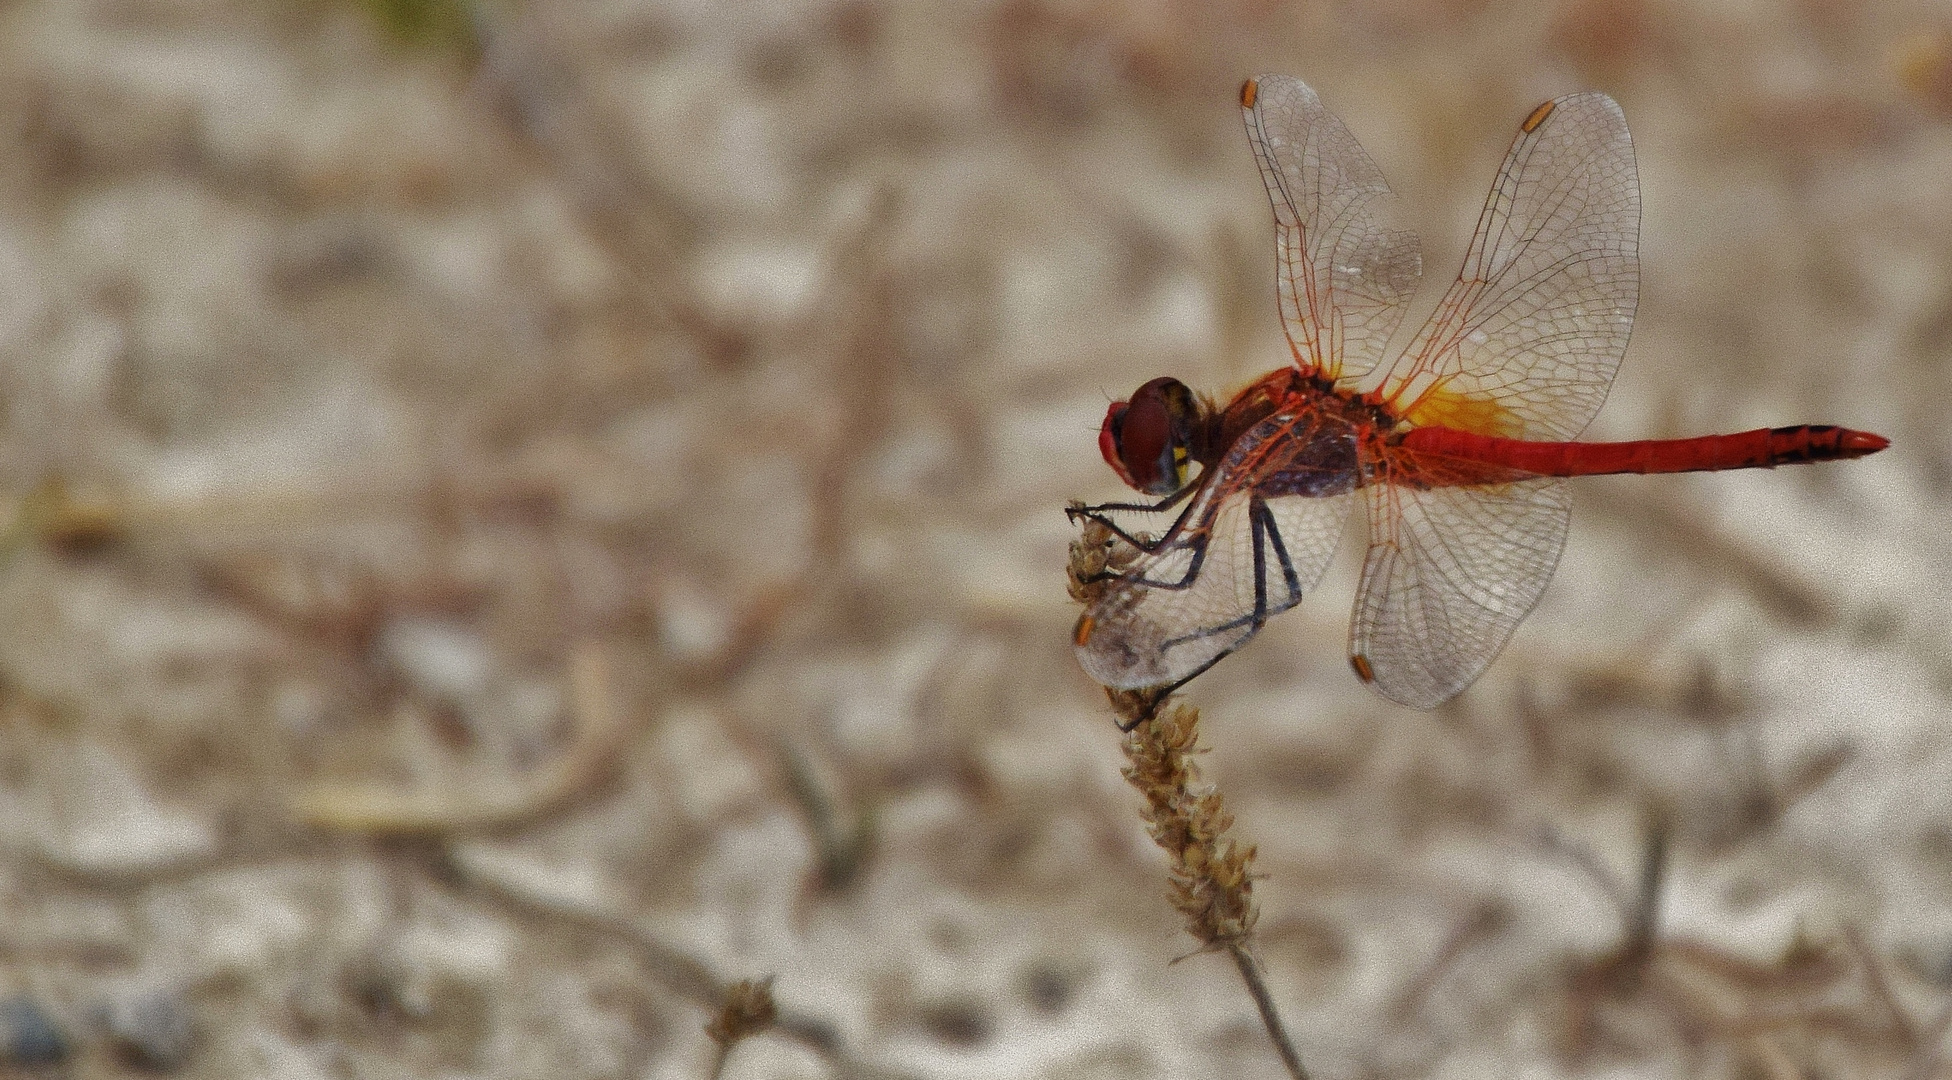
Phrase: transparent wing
x=1527 y=342
x=1451 y=572
x=1206 y=591
x=1345 y=268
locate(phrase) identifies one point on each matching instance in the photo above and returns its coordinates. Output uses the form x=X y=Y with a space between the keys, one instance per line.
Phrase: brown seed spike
x=1249 y=90
x=1538 y=116
x=1363 y=670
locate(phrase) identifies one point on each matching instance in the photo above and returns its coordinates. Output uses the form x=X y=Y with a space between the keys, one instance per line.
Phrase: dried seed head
x=1211 y=877
x=1097 y=556
x=747 y=1011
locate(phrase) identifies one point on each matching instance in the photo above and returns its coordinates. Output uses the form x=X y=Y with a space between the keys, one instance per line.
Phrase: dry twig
x=673 y=968
x=1485 y=920
x=602 y=731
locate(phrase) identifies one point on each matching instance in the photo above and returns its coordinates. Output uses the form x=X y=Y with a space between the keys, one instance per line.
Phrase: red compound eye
x=1145 y=440
x=1108 y=440
x=1145 y=443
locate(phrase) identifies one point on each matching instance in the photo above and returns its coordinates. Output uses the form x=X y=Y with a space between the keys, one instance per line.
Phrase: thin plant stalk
x=1250 y=973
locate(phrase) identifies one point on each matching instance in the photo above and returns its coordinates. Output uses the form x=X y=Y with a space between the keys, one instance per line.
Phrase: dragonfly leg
x=1257 y=520
x=1159 y=694
x=1197 y=543
x=1167 y=503
x=1148 y=547
x=1266 y=536
x=1288 y=576
x=1144 y=546
x=1187 y=580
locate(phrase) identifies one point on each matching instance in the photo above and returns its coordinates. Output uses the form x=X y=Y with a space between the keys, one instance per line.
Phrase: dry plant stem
x=1880 y=986
x=1489 y=918
x=1929 y=1056
x=602 y=733
x=1211 y=875
x=677 y=971
x=721 y=1053
x=1250 y=973
x=1644 y=925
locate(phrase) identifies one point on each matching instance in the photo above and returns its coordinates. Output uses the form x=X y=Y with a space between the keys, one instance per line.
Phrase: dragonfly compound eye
x=1147 y=440
x=1108 y=440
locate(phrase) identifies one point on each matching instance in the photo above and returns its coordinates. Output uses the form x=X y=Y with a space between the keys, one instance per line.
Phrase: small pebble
x=151 y=1029
x=28 y=1036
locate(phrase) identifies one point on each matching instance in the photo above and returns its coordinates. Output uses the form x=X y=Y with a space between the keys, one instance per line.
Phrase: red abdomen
x=1764 y=448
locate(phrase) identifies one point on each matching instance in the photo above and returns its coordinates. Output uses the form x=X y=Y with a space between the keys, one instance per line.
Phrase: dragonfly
x=1458 y=445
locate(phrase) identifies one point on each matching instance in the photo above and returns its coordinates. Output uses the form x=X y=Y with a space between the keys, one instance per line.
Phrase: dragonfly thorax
x=1150 y=440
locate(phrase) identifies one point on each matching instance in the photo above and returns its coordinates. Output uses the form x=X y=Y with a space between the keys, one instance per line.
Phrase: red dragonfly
x=1457 y=445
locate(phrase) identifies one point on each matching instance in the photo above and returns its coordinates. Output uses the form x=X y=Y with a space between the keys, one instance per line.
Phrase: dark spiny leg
x=1153 y=698
x=1199 y=546
x=1255 y=514
x=1166 y=503
x=1175 y=535
x=1172 y=688
x=1281 y=555
x=1256 y=511
x=1264 y=530
x=1149 y=547
x=1256 y=618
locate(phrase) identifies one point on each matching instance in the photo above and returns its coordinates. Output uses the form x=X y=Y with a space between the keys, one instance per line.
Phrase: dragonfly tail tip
x=1860 y=443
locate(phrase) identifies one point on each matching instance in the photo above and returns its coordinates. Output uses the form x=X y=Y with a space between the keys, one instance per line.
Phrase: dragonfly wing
x=1346 y=269
x=1206 y=591
x=1451 y=572
x=1527 y=342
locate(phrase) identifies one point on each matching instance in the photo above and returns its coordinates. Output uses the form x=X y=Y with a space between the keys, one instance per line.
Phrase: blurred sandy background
x=519 y=514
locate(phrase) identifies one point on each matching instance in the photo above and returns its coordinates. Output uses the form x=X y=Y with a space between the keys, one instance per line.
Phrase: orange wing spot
x=1363 y=670
x=1441 y=408
x=1086 y=624
x=1538 y=116
x=1249 y=90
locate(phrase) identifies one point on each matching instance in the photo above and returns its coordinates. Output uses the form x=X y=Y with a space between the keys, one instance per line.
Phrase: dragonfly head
x=1151 y=439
